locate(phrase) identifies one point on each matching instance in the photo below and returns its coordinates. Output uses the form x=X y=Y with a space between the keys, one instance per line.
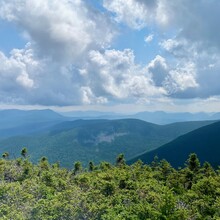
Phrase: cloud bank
x=69 y=58
x=194 y=48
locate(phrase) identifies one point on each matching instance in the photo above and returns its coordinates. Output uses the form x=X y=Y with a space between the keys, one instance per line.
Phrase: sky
x=110 y=55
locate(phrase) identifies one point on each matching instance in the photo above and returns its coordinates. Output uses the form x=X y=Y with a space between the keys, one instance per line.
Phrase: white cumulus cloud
x=149 y=38
x=68 y=59
x=134 y=13
x=118 y=77
x=61 y=29
x=193 y=47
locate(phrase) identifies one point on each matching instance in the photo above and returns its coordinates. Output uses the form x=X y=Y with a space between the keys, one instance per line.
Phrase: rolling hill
x=96 y=140
x=204 y=141
x=20 y=122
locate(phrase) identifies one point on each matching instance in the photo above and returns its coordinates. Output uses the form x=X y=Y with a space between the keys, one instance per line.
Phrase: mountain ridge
x=156 y=117
x=97 y=140
x=203 y=141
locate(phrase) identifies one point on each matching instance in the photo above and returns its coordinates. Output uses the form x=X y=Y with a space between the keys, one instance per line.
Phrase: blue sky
x=10 y=37
x=110 y=55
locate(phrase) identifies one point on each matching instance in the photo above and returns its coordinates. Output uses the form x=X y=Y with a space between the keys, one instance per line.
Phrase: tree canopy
x=105 y=191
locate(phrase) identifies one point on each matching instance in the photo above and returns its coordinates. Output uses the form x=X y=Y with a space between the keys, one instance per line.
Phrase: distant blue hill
x=157 y=117
x=20 y=122
x=160 y=117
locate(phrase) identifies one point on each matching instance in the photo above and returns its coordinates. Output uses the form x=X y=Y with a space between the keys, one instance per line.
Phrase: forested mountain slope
x=96 y=140
x=205 y=142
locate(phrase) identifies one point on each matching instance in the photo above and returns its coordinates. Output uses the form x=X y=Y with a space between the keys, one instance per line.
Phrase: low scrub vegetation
x=106 y=191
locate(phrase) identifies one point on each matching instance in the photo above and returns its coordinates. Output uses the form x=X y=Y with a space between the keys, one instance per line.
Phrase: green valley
x=96 y=140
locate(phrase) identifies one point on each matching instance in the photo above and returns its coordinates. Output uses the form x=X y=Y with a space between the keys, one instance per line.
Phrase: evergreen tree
x=120 y=160
x=24 y=152
x=77 y=167
x=44 y=164
x=5 y=155
x=91 y=166
x=193 y=162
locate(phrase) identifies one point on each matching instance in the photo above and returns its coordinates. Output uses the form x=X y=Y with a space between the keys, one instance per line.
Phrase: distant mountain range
x=60 y=138
x=160 y=117
x=69 y=139
x=13 y=117
x=20 y=122
x=157 y=117
x=204 y=141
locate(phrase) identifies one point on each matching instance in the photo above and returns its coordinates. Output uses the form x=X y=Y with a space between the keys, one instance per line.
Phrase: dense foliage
x=95 y=140
x=105 y=191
